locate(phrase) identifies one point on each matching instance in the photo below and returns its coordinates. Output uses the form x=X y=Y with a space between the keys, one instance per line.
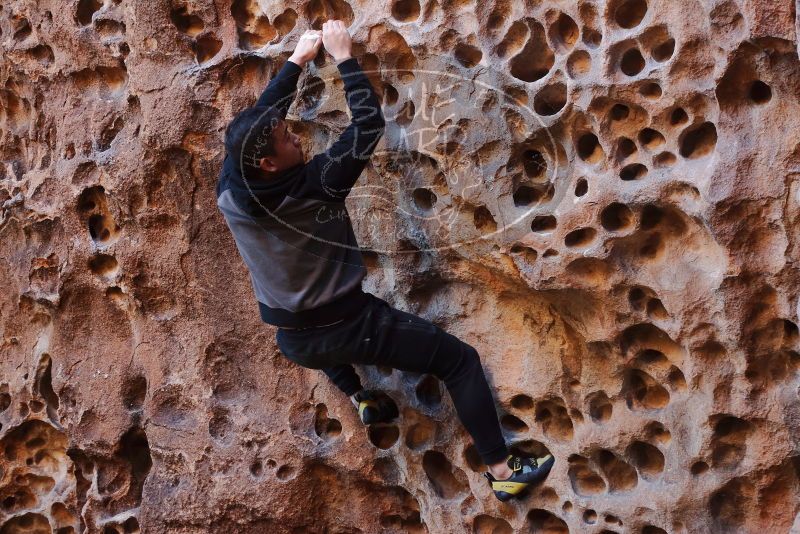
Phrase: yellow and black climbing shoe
x=375 y=406
x=526 y=472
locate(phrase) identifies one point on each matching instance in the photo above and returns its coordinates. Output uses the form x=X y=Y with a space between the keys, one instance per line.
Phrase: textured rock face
x=601 y=197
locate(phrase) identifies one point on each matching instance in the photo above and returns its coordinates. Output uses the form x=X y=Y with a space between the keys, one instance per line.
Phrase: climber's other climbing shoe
x=526 y=472
x=375 y=406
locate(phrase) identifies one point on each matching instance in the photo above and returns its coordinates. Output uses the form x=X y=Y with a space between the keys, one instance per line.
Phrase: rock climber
x=306 y=270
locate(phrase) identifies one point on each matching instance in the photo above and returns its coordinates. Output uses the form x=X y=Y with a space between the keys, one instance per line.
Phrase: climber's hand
x=307 y=47
x=336 y=39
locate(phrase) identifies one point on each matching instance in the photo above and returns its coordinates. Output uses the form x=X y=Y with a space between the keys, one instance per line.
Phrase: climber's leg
x=344 y=377
x=410 y=343
x=383 y=335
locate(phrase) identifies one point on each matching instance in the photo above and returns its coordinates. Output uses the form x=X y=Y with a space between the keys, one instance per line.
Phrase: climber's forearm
x=281 y=89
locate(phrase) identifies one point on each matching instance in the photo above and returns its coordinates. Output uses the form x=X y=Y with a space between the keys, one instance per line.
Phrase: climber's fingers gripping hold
x=336 y=39
x=307 y=47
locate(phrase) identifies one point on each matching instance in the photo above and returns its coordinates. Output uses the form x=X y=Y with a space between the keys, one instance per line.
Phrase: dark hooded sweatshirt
x=293 y=231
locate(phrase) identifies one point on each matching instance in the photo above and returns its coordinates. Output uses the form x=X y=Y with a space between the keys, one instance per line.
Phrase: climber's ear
x=267 y=164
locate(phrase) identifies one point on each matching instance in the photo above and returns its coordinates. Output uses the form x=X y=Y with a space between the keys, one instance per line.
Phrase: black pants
x=382 y=335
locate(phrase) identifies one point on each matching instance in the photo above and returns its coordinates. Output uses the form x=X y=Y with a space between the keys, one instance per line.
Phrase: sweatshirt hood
x=253 y=195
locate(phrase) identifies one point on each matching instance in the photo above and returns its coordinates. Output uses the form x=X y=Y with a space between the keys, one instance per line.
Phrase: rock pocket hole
x=285 y=472
x=424 y=199
x=629 y=14
x=405 y=10
x=555 y=421
x=535 y=59
x=676 y=379
x=406 y=115
x=551 y=99
x=252 y=26
x=582 y=237
x=101 y=228
x=584 y=480
x=664 y=159
x=699 y=141
x=642 y=392
x=104 y=265
x=651 y=217
x=656 y=310
x=632 y=62
x=578 y=64
x=759 y=93
x=544 y=522
x=528 y=254
x=616 y=216
x=256 y=469
x=220 y=427
x=698 y=468
x=324 y=426
x=390 y=94
x=636 y=298
x=650 y=90
x=418 y=435
x=319 y=11
x=522 y=402
x=590 y=517
x=543 y=223
x=486 y=524
x=134 y=391
x=600 y=407
x=625 y=148
x=525 y=195
x=206 y=48
x=534 y=163
x=652 y=246
x=589 y=148
x=647 y=459
x=383 y=436
x=581 y=187
x=592 y=37
x=729 y=441
x=285 y=22
x=186 y=22
x=651 y=138
x=483 y=220
x=441 y=474
x=564 y=32
x=656 y=431
x=621 y=476
x=513 y=423
x=634 y=171
x=619 y=112
x=467 y=55
x=513 y=40
x=86 y=10
x=678 y=117
x=664 y=51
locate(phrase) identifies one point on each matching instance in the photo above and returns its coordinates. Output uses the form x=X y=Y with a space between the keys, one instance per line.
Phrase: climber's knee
x=453 y=358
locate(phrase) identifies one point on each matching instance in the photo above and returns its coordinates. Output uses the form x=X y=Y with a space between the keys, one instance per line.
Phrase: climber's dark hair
x=248 y=137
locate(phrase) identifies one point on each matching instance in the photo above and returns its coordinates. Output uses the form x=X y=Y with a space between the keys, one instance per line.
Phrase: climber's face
x=287 y=148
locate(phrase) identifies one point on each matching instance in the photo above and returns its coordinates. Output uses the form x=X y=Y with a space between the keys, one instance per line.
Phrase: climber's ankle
x=353 y=397
x=500 y=470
